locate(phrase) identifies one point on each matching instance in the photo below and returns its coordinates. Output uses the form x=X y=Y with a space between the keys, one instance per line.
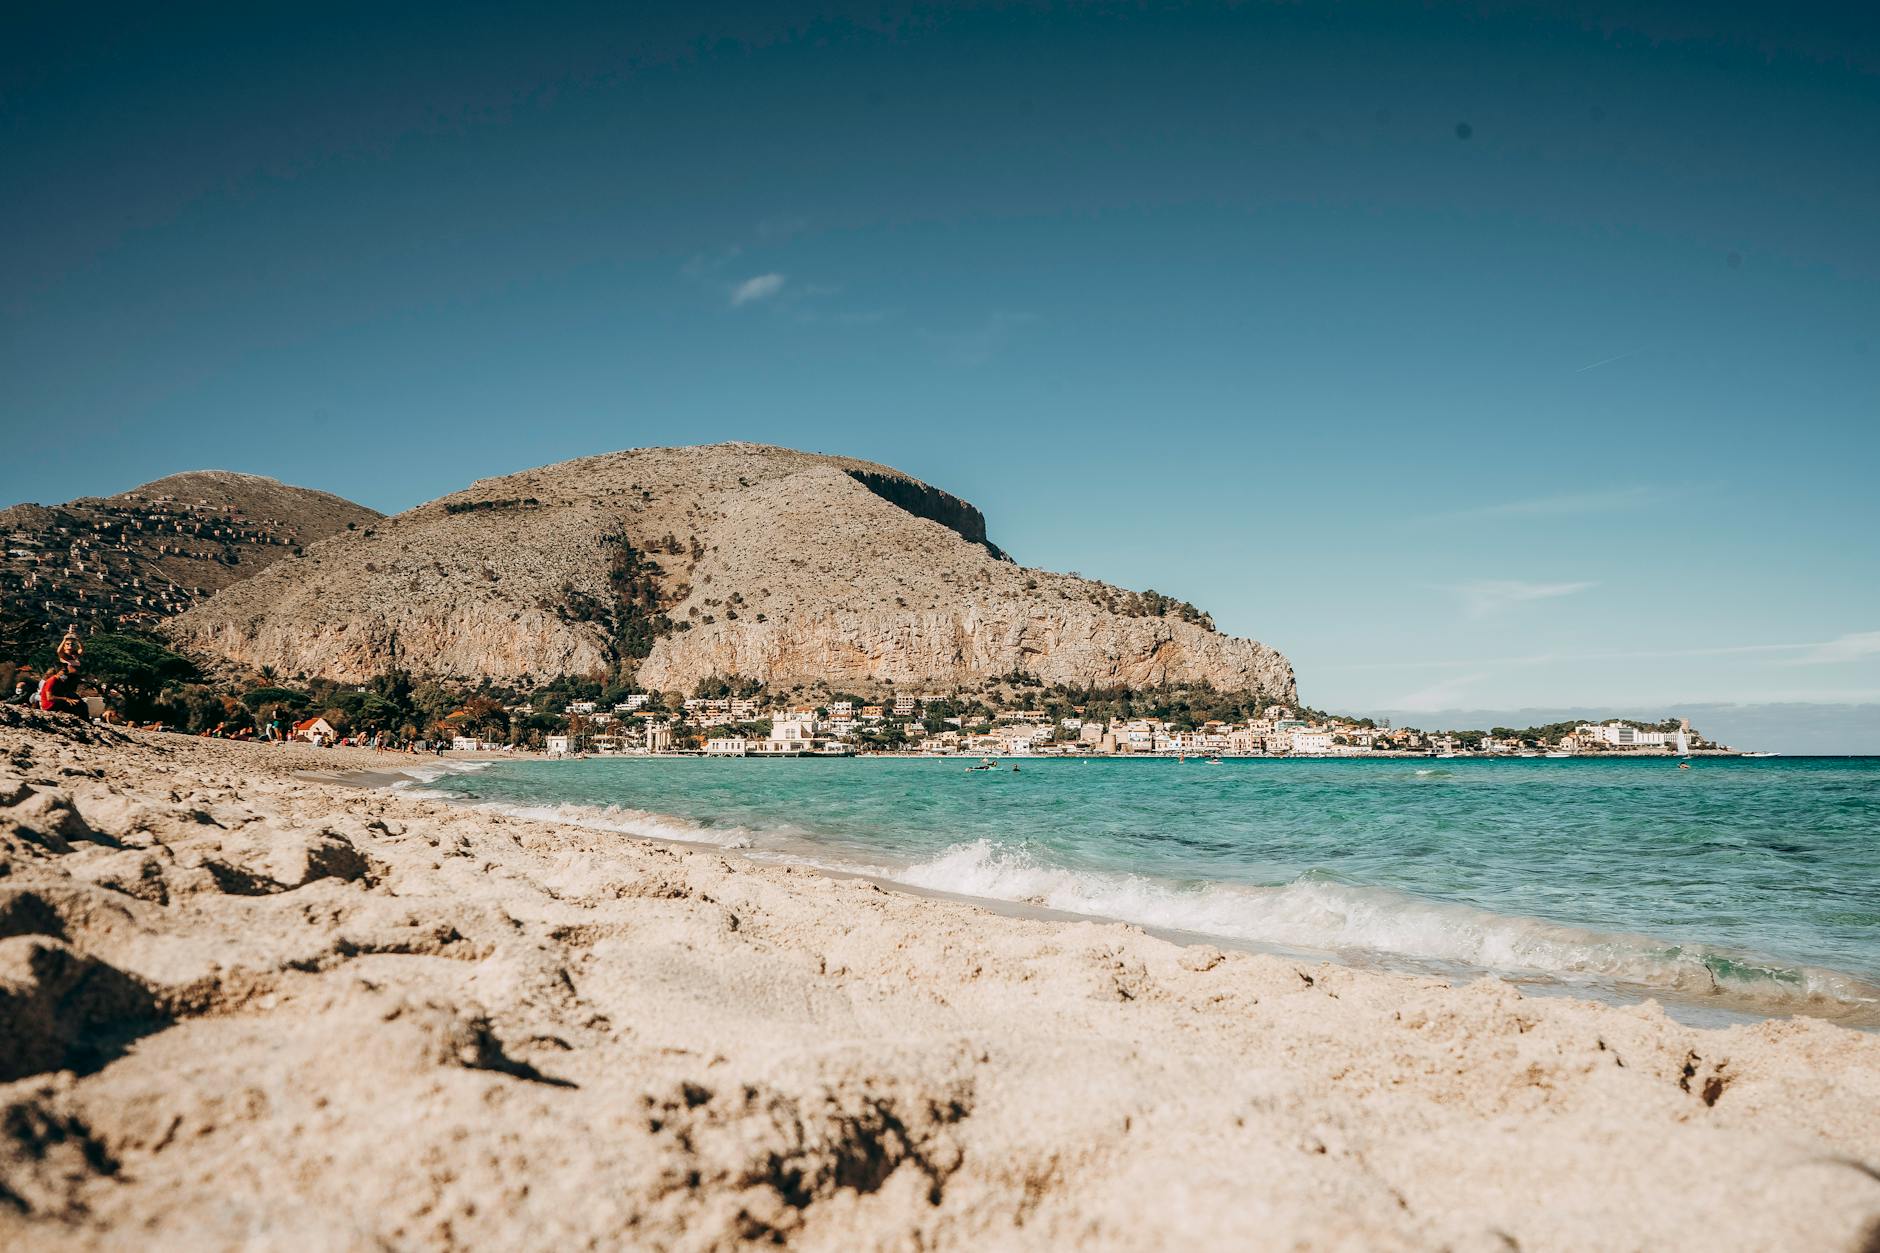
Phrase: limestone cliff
x=729 y=559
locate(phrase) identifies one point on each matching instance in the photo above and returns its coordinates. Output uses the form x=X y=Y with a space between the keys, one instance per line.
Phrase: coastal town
x=906 y=725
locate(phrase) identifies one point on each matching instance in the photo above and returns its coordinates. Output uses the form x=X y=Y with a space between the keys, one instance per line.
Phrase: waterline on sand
x=1316 y=911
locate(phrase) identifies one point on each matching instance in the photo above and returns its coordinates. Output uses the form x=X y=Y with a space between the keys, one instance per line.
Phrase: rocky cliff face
x=687 y=562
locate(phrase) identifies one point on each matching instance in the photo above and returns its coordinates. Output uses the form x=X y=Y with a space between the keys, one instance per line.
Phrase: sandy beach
x=242 y=1007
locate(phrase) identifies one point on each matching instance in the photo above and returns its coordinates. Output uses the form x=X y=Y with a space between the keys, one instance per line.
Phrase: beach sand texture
x=241 y=1008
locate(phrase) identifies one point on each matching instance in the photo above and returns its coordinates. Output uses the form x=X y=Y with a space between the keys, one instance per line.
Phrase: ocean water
x=1746 y=886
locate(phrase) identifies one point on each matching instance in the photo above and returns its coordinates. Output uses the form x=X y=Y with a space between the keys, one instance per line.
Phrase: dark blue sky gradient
x=1219 y=300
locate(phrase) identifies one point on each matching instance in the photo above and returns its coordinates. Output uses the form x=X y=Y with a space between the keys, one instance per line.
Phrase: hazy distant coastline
x=1795 y=727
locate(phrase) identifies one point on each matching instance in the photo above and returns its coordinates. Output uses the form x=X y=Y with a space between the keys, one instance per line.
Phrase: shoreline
x=326 y=1014
x=1718 y=1007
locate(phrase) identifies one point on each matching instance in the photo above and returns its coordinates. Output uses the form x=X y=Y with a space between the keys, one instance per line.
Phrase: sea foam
x=1321 y=914
x=1316 y=911
x=432 y=771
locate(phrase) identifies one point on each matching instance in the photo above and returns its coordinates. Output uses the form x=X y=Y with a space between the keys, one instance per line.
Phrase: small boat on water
x=1560 y=752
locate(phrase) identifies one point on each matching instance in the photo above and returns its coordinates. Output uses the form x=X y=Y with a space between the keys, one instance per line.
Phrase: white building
x=316 y=731
x=558 y=745
x=633 y=704
x=1311 y=740
x=580 y=707
x=906 y=706
x=790 y=736
x=1619 y=735
x=728 y=746
x=1021 y=737
x=1137 y=737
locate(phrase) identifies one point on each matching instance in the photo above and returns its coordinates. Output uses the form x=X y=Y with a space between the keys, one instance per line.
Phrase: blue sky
x=1490 y=356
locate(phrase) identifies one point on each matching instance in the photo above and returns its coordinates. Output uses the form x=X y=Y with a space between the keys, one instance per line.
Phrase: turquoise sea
x=1748 y=886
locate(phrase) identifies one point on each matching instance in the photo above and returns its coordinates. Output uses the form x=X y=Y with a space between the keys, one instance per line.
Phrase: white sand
x=239 y=1008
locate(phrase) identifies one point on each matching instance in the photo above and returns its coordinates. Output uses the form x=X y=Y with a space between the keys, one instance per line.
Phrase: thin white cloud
x=981 y=343
x=758 y=287
x=779 y=228
x=856 y=317
x=1608 y=360
x=1486 y=598
x=1442 y=694
x=1850 y=647
x=1570 y=504
x=1538 y=659
x=707 y=265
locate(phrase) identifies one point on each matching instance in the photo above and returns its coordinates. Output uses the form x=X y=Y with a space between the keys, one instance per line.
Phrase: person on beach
x=59 y=691
x=71 y=649
x=22 y=689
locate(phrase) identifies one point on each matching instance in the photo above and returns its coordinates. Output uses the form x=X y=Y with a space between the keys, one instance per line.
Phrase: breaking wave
x=1315 y=912
x=1318 y=913
x=431 y=772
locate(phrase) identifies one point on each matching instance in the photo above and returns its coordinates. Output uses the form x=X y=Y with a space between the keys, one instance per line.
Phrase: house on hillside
x=315 y=731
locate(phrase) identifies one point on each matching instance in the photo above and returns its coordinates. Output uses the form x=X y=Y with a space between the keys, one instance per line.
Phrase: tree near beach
x=256 y=698
x=135 y=668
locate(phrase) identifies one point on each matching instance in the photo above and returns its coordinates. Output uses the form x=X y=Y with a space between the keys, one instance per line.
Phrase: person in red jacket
x=59 y=691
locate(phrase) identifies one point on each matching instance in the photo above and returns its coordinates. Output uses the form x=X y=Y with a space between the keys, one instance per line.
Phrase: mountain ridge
x=676 y=564
x=137 y=556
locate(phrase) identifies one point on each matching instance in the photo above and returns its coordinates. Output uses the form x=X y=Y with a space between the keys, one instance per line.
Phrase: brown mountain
x=732 y=559
x=143 y=555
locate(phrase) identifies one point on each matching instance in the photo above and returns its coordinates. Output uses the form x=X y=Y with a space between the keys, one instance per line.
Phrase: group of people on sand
x=58 y=689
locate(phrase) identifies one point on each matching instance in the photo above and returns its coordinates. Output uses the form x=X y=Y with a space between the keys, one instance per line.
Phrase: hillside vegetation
x=132 y=559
